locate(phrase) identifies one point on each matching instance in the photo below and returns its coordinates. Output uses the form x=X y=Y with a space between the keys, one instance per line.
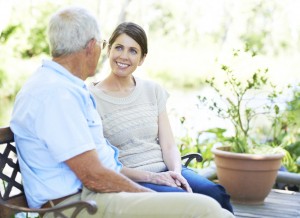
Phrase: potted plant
x=247 y=163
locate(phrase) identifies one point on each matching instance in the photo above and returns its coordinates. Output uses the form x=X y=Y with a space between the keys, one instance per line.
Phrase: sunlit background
x=188 y=41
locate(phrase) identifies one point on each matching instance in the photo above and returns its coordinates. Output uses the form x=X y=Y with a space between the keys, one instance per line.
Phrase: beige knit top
x=131 y=124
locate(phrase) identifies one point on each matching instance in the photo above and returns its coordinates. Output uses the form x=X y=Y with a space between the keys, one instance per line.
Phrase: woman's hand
x=170 y=178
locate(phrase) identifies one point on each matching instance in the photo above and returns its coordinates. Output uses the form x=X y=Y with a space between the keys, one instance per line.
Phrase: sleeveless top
x=131 y=124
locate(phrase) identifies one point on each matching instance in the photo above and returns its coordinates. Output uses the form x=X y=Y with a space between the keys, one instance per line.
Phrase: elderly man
x=59 y=138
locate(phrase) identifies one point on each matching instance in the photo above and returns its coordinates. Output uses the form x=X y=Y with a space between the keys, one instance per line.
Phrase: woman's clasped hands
x=170 y=178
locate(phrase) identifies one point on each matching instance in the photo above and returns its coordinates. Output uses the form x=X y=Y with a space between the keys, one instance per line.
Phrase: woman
x=135 y=120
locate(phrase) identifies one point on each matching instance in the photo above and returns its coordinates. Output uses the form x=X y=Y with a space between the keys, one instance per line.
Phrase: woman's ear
x=142 y=60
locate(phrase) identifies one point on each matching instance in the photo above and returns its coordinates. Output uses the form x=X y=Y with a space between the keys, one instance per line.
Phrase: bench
x=12 y=196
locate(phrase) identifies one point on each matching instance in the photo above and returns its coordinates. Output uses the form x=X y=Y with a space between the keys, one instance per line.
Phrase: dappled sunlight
x=188 y=41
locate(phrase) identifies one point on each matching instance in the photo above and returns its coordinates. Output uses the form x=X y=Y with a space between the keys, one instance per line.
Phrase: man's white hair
x=70 y=29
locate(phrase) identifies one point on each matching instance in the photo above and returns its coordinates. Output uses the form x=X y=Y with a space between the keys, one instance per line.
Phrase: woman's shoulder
x=92 y=86
x=96 y=91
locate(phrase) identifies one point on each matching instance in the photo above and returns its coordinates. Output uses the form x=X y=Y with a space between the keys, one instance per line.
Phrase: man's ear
x=142 y=60
x=90 y=46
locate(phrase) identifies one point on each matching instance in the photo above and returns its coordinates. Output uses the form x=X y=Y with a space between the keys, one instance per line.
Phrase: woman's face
x=125 y=55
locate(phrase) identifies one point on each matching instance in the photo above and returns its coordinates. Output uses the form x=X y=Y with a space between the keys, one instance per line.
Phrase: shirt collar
x=57 y=68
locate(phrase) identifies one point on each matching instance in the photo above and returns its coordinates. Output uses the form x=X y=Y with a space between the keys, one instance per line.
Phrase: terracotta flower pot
x=248 y=178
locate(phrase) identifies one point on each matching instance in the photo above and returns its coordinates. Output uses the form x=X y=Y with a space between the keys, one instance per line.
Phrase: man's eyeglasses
x=102 y=43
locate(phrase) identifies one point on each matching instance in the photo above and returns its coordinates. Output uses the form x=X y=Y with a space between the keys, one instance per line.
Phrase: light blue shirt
x=55 y=119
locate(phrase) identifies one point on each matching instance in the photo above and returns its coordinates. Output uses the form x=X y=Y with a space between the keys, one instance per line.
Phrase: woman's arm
x=171 y=154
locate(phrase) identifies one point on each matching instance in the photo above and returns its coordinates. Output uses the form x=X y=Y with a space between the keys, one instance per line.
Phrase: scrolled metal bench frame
x=11 y=203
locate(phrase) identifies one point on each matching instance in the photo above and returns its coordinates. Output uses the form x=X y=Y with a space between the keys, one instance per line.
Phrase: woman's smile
x=122 y=65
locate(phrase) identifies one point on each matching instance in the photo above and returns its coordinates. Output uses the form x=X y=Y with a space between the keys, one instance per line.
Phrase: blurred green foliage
x=30 y=38
x=36 y=42
x=2 y=77
x=8 y=31
x=292 y=128
x=237 y=100
x=186 y=39
x=20 y=40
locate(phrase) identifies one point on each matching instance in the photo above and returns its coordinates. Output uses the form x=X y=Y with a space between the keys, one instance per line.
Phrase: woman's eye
x=133 y=51
x=118 y=48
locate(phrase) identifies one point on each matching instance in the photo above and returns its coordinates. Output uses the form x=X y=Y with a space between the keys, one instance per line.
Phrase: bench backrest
x=11 y=188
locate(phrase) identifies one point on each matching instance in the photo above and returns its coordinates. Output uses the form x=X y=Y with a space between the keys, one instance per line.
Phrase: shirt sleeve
x=62 y=125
